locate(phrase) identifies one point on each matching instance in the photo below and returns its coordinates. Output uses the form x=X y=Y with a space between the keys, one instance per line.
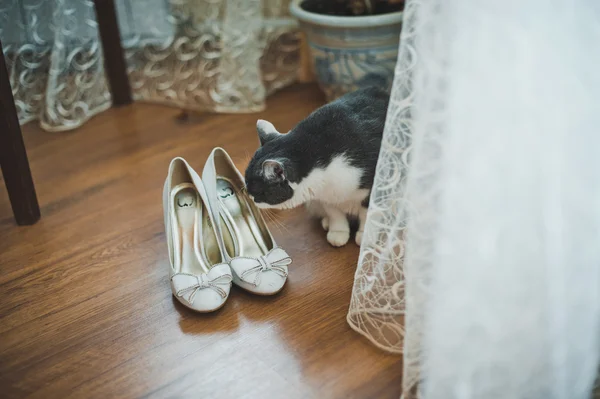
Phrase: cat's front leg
x=339 y=228
x=362 y=219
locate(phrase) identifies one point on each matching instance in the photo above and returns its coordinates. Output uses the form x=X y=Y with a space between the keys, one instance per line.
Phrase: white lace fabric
x=377 y=307
x=203 y=55
x=480 y=260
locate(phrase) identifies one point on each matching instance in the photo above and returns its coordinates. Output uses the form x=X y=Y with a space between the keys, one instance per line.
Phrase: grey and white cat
x=327 y=161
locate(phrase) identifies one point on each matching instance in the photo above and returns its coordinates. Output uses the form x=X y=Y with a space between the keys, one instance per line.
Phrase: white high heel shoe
x=200 y=276
x=257 y=263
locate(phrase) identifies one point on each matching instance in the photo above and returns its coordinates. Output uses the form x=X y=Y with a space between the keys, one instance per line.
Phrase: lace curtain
x=480 y=259
x=205 y=55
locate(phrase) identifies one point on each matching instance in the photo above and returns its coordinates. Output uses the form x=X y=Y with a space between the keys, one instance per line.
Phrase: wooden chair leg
x=114 y=60
x=13 y=158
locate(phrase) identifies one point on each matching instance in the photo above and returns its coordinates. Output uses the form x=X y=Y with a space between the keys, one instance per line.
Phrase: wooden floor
x=86 y=310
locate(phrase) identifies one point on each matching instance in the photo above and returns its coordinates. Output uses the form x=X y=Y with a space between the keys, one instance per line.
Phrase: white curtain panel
x=377 y=307
x=481 y=256
x=205 y=55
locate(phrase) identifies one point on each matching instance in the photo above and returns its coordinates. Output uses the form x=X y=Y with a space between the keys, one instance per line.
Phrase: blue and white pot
x=351 y=52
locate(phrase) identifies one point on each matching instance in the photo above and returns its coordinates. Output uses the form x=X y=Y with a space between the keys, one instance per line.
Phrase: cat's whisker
x=283 y=226
x=268 y=216
x=271 y=220
x=277 y=221
x=280 y=227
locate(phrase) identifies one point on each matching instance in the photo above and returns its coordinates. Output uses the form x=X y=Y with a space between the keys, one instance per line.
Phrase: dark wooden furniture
x=13 y=158
x=114 y=60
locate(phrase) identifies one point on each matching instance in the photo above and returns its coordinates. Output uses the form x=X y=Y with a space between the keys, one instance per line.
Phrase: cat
x=326 y=162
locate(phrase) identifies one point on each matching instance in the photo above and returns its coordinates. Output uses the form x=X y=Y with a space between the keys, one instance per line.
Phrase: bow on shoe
x=251 y=269
x=185 y=283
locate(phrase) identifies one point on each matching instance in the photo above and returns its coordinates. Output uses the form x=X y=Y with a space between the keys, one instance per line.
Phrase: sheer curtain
x=205 y=55
x=480 y=260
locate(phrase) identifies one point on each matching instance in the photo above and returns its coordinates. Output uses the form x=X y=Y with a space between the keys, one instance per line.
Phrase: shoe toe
x=265 y=275
x=206 y=301
x=203 y=293
x=269 y=283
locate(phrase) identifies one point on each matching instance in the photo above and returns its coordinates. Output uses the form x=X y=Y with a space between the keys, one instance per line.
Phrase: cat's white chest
x=337 y=184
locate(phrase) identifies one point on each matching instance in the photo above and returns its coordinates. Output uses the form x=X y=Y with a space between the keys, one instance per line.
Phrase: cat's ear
x=273 y=170
x=266 y=131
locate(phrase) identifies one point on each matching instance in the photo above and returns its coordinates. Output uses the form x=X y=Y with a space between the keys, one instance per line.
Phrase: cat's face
x=267 y=175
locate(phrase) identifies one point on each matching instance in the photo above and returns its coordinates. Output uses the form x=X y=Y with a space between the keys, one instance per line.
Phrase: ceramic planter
x=350 y=52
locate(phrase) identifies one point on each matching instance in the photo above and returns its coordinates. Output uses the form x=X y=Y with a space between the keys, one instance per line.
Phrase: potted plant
x=353 y=43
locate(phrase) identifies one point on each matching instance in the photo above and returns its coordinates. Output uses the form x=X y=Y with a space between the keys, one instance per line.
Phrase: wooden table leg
x=13 y=158
x=306 y=72
x=114 y=60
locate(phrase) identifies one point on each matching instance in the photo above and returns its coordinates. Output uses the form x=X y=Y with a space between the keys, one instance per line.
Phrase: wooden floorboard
x=86 y=310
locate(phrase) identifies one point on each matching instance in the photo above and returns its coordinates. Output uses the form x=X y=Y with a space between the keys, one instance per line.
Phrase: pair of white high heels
x=216 y=235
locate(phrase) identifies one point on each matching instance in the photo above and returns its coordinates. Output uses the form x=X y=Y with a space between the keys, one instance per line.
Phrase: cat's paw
x=358 y=238
x=338 y=238
x=325 y=223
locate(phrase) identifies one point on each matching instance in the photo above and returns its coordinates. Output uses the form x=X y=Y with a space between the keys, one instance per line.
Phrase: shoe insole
x=239 y=218
x=195 y=242
x=209 y=247
x=187 y=207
